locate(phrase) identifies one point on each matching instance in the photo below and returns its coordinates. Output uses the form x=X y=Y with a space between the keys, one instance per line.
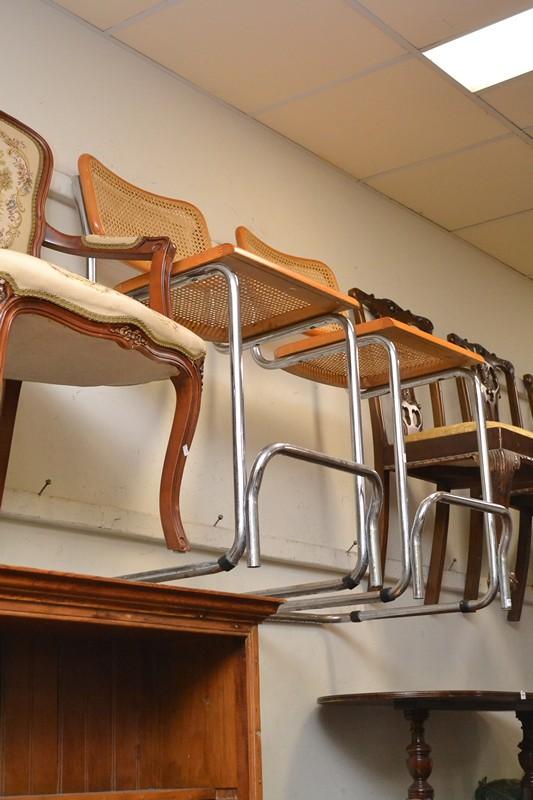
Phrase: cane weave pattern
x=127 y=210
x=203 y=306
x=373 y=363
x=316 y=270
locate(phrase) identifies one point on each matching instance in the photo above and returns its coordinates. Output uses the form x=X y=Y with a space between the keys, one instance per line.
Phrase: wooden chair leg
x=8 y=412
x=523 y=552
x=188 y=387
x=475 y=553
x=385 y=519
x=438 y=550
x=503 y=466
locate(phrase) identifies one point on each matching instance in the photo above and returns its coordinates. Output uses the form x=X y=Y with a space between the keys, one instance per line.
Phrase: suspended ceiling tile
x=394 y=116
x=481 y=183
x=426 y=22
x=253 y=54
x=514 y=99
x=106 y=13
x=510 y=239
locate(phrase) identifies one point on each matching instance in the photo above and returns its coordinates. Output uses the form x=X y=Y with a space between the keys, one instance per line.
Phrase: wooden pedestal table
x=416 y=707
x=117 y=690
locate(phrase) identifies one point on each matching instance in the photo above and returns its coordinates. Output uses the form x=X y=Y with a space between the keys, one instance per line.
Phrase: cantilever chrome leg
x=367 y=525
x=389 y=593
x=293 y=611
x=497 y=555
x=354 y=577
x=232 y=556
x=298 y=611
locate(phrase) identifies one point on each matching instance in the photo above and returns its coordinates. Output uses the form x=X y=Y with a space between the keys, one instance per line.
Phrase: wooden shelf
x=149 y=794
x=111 y=690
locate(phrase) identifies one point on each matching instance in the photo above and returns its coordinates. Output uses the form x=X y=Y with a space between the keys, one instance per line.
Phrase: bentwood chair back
x=317 y=270
x=56 y=327
x=113 y=205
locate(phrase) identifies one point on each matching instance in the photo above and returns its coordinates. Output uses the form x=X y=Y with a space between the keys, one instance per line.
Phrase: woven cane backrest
x=316 y=270
x=117 y=208
x=25 y=169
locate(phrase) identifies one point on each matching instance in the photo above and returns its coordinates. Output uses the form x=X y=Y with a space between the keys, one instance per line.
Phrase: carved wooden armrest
x=159 y=250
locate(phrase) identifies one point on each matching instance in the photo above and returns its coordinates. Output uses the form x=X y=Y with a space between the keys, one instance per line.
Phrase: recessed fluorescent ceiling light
x=490 y=55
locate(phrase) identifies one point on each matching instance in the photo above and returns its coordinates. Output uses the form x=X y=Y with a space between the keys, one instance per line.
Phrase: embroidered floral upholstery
x=20 y=170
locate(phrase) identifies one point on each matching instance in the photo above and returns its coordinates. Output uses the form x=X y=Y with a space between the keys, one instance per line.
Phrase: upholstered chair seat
x=42 y=350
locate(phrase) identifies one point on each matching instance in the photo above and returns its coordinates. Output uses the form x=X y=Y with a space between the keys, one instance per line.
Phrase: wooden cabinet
x=127 y=691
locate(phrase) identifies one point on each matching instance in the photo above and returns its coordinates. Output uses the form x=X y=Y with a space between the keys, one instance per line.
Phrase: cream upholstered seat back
x=25 y=168
x=115 y=207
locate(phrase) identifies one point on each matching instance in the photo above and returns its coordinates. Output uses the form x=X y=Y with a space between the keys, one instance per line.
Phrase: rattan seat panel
x=373 y=364
x=272 y=296
x=419 y=353
x=202 y=307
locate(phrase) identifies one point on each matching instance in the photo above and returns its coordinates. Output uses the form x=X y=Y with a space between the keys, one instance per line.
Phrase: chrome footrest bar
x=497 y=555
x=336 y=601
x=263 y=458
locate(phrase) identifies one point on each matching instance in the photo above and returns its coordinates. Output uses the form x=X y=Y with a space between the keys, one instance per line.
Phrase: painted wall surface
x=103 y=449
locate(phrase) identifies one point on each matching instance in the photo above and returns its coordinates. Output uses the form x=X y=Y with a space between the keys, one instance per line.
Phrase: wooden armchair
x=56 y=327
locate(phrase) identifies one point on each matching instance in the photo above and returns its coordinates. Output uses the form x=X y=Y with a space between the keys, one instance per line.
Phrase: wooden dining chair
x=56 y=327
x=512 y=468
x=445 y=455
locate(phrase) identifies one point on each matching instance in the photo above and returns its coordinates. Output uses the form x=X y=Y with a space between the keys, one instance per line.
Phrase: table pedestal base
x=525 y=755
x=419 y=762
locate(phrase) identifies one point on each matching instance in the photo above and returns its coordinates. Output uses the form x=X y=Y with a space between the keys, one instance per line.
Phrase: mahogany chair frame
x=187 y=380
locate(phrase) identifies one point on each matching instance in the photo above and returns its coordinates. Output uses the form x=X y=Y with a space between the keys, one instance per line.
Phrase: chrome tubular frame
x=354 y=577
x=386 y=594
x=235 y=348
x=245 y=495
x=292 y=611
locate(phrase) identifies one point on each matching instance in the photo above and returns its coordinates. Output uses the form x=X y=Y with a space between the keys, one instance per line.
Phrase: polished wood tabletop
x=416 y=707
x=463 y=700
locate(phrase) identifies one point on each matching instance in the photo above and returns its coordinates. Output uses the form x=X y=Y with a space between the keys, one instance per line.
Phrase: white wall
x=84 y=93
